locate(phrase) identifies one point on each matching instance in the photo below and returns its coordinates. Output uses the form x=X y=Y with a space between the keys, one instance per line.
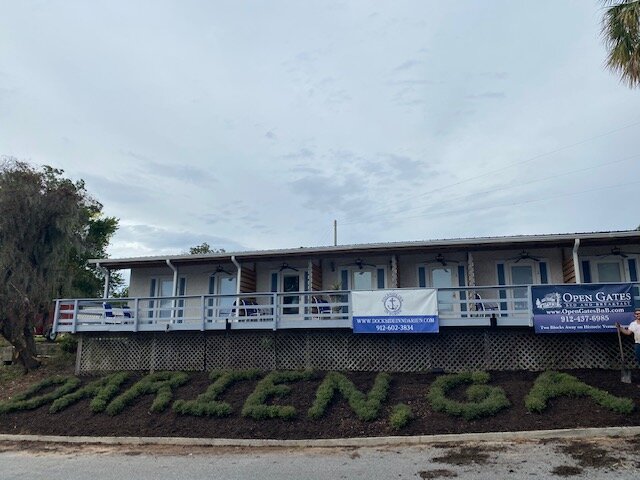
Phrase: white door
x=444 y=277
x=608 y=271
x=521 y=275
x=221 y=284
x=165 y=289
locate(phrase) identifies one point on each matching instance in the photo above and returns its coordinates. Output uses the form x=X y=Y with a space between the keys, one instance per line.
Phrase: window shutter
x=633 y=276
x=212 y=285
x=501 y=281
x=422 y=277
x=274 y=282
x=152 y=293
x=380 y=278
x=544 y=277
x=462 y=283
x=586 y=272
x=633 y=271
x=344 y=277
x=307 y=287
x=182 y=288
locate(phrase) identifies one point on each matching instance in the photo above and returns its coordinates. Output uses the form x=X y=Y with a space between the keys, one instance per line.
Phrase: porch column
x=394 y=272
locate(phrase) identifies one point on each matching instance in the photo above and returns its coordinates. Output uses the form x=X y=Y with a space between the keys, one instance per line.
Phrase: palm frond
x=621 y=32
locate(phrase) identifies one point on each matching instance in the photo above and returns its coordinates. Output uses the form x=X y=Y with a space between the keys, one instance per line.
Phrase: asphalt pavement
x=576 y=458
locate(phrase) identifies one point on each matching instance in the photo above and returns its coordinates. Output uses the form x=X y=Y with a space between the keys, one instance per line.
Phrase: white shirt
x=635 y=328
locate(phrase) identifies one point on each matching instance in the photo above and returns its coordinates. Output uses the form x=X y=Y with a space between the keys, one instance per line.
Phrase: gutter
x=576 y=262
x=107 y=279
x=175 y=277
x=239 y=267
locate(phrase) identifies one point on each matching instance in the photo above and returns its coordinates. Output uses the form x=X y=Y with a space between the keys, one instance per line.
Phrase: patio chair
x=320 y=308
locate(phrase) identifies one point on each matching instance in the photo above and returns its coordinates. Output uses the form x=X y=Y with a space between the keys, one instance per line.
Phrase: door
x=521 y=275
x=165 y=289
x=221 y=284
x=444 y=277
x=608 y=271
x=291 y=283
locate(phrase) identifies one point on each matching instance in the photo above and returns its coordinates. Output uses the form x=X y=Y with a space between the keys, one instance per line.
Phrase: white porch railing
x=500 y=305
x=328 y=309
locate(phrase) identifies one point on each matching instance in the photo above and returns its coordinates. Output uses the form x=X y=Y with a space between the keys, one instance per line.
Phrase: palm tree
x=621 y=31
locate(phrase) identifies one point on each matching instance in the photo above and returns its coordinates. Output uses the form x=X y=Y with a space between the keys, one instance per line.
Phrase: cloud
x=302 y=153
x=164 y=240
x=485 y=95
x=407 y=65
x=119 y=190
x=271 y=136
x=178 y=171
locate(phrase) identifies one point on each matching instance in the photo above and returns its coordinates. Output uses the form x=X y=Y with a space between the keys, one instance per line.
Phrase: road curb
x=576 y=433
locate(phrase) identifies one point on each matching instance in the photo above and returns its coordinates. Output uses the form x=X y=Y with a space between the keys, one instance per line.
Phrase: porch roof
x=624 y=237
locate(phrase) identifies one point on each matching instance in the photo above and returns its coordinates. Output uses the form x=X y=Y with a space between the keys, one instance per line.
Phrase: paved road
x=595 y=458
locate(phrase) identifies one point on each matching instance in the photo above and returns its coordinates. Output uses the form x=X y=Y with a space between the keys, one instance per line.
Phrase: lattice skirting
x=449 y=350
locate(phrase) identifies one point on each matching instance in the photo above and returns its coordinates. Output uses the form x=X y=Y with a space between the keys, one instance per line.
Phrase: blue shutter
x=633 y=271
x=633 y=276
x=212 y=291
x=152 y=293
x=544 y=277
x=462 y=283
x=307 y=287
x=182 y=287
x=344 y=277
x=422 y=277
x=380 y=278
x=274 y=282
x=501 y=281
x=586 y=272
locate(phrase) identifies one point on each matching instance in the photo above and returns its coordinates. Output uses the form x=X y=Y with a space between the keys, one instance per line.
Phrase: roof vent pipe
x=576 y=262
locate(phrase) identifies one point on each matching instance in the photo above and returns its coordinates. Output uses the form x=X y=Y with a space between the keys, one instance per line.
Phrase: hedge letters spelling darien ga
x=482 y=400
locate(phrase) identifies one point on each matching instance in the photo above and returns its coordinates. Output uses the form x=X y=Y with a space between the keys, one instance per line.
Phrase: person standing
x=633 y=329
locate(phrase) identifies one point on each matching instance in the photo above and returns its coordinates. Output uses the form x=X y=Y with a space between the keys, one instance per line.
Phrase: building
x=483 y=288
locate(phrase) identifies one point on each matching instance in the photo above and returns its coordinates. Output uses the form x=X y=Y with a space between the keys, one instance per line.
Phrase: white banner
x=395 y=311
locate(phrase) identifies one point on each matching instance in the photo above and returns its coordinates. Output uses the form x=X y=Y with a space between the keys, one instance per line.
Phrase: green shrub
x=161 y=383
x=551 y=384
x=400 y=416
x=68 y=343
x=482 y=400
x=28 y=401
x=270 y=386
x=366 y=407
x=206 y=403
x=102 y=391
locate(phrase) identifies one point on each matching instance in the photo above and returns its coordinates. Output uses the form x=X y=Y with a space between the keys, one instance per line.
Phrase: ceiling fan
x=361 y=264
x=615 y=251
x=286 y=266
x=443 y=261
x=220 y=269
x=524 y=255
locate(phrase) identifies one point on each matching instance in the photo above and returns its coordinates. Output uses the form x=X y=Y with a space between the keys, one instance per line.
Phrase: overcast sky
x=253 y=125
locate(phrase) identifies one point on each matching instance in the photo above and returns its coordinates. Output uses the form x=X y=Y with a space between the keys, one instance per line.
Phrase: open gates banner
x=581 y=308
x=395 y=311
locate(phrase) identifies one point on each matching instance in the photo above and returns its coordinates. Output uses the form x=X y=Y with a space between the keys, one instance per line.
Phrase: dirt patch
x=340 y=421
x=590 y=456
x=438 y=473
x=566 y=471
x=465 y=456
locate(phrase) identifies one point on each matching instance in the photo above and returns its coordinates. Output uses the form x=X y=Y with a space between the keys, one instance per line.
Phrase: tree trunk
x=19 y=333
